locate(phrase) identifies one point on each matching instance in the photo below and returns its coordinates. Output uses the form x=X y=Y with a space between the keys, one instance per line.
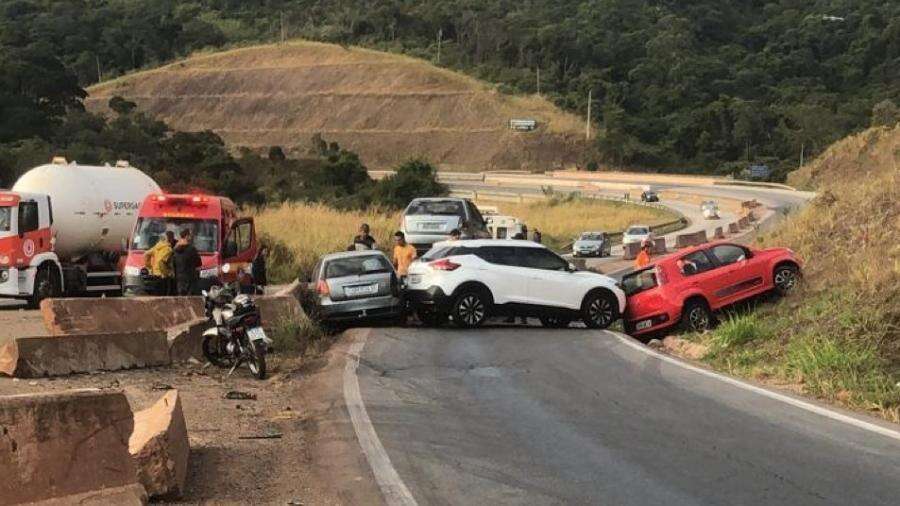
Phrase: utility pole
x=440 y=39
x=99 y=74
x=802 y=146
x=282 y=27
x=539 y=81
x=587 y=126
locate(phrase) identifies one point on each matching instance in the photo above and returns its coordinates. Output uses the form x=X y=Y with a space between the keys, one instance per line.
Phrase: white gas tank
x=93 y=208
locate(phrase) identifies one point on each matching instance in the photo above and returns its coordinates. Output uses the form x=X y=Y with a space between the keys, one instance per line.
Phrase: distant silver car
x=356 y=286
x=592 y=244
x=430 y=220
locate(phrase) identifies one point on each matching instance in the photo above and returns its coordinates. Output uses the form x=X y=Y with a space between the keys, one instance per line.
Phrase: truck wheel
x=46 y=285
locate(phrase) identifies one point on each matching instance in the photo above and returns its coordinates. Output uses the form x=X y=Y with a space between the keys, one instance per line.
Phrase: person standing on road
x=454 y=235
x=158 y=261
x=643 y=258
x=363 y=241
x=404 y=254
x=537 y=236
x=258 y=269
x=187 y=261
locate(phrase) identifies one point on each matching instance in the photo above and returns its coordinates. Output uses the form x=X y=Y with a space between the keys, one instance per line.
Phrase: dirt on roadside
x=261 y=450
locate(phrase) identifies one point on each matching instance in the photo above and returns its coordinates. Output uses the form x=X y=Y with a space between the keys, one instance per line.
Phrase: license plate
x=646 y=324
x=415 y=279
x=256 y=334
x=355 y=291
x=432 y=226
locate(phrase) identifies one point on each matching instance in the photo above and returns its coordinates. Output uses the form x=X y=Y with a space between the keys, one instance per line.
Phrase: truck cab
x=220 y=236
x=26 y=247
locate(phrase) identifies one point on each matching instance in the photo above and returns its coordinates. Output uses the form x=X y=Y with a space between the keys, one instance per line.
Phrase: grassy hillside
x=385 y=107
x=839 y=338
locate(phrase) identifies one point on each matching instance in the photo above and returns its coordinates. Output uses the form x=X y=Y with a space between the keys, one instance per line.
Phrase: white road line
x=808 y=406
x=392 y=487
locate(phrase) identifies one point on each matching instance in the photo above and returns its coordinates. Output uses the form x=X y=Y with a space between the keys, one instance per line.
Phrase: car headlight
x=131 y=270
x=209 y=273
x=4 y=276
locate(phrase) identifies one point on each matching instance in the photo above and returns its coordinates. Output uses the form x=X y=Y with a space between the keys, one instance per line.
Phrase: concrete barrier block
x=67 y=448
x=32 y=357
x=119 y=314
x=743 y=222
x=186 y=341
x=719 y=233
x=630 y=251
x=733 y=228
x=159 y=447
x=273 y=308
x=659 y=246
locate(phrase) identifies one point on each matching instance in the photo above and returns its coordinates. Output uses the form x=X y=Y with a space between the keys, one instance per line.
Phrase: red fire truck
x=220 y=236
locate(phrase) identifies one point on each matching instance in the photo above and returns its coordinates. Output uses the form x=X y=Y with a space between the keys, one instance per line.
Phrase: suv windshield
x=5 y=218
x=357 y=266
x=590 y=236
x=638 y=231
x=639 y=281
x=436 y=208
x=148 y=230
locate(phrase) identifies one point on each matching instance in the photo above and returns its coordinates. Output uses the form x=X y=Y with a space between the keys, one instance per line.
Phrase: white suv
x=470 y=281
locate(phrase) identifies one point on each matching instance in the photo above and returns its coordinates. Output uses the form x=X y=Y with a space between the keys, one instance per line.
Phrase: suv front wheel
x=599 y=310
x=470 y=308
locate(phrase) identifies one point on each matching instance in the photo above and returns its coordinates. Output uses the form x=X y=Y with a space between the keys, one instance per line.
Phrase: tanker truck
x=63 y=227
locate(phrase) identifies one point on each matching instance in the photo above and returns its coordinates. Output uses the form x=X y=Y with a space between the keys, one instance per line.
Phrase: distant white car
x=470 y=281
x=710 y=210
x=637 y=233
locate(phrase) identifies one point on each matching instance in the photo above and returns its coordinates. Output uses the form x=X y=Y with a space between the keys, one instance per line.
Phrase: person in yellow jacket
x=158 y=260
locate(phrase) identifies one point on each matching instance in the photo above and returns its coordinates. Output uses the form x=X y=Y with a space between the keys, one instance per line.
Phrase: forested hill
x=676 y=84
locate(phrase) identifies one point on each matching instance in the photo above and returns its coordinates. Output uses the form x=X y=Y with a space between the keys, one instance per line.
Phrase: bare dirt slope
x=385 y=107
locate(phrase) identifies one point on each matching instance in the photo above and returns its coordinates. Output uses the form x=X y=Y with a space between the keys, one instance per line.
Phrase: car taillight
x=444 y=265
x=322 y=287
x=661 y=278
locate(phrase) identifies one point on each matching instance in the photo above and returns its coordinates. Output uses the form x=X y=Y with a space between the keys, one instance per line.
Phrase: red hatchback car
x=687 y=286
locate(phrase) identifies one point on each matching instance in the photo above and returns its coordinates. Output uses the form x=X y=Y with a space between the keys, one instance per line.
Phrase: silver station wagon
x=356 y=286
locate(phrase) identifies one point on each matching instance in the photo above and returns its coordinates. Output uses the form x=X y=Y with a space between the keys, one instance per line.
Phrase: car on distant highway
x=471 y=281
x=687 y=287
x=649 y=196
x=592 y=244
x=710 y=209
x=356 y=286
x=430 y=220
x=637 y=233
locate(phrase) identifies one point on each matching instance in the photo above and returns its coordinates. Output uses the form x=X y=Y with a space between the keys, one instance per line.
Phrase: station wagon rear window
x=436 y=208
x=357 y=266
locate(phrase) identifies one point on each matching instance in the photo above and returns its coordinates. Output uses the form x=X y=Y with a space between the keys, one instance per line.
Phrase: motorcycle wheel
x=257 y=360
x=215 y=352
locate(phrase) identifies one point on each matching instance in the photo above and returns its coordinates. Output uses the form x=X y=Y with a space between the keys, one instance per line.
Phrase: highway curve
x=530 y=416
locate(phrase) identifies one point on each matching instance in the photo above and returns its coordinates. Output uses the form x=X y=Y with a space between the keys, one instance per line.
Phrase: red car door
x=741 y=275
x=702 y=274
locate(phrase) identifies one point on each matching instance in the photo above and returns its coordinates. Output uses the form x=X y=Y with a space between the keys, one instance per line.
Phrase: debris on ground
x=236 y=395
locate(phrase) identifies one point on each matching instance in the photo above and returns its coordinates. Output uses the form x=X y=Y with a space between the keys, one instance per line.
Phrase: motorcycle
x=236 y=335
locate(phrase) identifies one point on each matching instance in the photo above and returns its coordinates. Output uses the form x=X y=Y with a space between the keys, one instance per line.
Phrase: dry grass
x=308 y=231
x=561 y=221
x=386 y=107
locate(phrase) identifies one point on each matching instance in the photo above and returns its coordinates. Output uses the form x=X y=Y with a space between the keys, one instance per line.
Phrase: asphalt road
x=529 y=416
